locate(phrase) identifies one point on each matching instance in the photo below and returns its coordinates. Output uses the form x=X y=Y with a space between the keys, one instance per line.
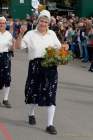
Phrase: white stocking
x=31 y=109
x=51 y=112
x=6 y=92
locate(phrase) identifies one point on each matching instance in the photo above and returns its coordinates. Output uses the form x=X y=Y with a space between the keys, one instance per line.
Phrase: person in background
x=90 y=47
x=83 y=40
x=16 y=28
x=41 y=83
x=6 y=46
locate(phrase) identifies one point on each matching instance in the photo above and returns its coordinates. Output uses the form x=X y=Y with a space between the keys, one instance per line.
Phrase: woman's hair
x=3 y=18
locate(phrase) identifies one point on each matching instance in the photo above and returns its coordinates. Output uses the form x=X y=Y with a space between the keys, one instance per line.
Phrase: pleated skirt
x=5 y=69
x=41 y=84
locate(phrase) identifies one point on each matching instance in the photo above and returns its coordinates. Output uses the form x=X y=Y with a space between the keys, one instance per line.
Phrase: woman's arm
x=18 y=40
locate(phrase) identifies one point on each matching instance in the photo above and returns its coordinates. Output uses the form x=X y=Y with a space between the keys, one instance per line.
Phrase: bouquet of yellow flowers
x=54 y=57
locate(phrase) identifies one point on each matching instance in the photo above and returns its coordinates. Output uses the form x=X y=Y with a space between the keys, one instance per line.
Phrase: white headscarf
x=45 y=13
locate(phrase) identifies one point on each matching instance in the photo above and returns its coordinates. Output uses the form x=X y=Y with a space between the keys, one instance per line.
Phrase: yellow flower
x=56 y=57
x=51 y=52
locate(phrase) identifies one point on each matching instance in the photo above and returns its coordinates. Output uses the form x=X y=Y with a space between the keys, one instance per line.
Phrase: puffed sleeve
x=57 y=43
x=10 y=40
x=25 y=43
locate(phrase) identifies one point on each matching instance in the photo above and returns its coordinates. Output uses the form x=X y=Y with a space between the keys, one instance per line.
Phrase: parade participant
x=6 y=44
x=41 y=83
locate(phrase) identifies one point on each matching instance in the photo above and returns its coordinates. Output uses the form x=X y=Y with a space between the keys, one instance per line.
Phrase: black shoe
x=6 y=104
x=85 y=61
x=81 y=57
x=51 y=130
x=90 y=70
x=32 y=120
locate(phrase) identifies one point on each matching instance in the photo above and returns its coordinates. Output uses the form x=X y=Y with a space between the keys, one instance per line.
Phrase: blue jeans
x=75 y=49
x=84 y=50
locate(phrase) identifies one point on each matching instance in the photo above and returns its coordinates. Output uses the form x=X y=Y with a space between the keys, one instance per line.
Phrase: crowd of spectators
x=77 y=32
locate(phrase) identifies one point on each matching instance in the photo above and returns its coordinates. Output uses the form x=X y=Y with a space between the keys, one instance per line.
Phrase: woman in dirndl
x=41 y=83
x=6 y=44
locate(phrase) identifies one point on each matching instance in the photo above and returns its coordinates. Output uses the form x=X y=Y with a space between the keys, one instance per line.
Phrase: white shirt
x=6 y=41
x=37 y=43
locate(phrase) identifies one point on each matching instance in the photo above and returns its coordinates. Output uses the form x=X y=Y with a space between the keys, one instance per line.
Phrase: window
x=21 y=1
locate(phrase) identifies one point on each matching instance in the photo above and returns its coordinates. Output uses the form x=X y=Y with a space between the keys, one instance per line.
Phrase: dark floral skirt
x=41 y=84
x=5 y=69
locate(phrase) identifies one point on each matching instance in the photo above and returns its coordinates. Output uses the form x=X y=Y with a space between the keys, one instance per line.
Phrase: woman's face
x=43 y=24
x=2 y=25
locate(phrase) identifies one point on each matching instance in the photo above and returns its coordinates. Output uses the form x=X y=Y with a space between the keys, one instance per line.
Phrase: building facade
x=86 y=8
x=22 y=8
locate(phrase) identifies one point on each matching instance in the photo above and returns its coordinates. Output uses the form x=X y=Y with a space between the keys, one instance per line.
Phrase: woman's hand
x=23 y=29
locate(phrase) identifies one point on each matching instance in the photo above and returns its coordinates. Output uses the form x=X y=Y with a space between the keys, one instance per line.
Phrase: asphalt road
x=74 y=111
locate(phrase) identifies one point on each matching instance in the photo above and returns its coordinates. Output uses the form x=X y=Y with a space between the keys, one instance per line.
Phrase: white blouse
x=6 y=41
x=37 y=43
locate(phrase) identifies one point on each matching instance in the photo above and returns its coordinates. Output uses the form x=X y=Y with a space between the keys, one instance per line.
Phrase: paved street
x=74 y=112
